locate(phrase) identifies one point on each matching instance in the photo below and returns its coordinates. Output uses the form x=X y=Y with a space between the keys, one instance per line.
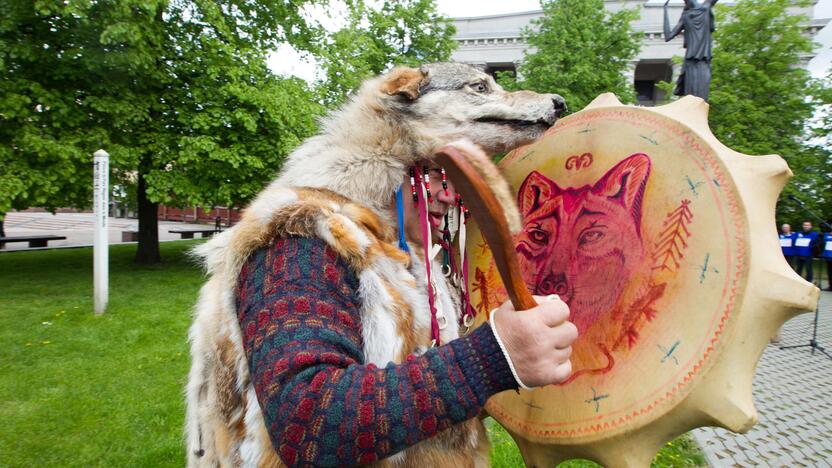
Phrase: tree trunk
x=147 y=252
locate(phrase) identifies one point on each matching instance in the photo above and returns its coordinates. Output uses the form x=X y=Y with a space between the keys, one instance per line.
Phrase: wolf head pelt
x=403 y=117
x=584 y=243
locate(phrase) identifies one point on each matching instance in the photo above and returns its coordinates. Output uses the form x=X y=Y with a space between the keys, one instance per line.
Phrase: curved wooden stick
x=484 y=207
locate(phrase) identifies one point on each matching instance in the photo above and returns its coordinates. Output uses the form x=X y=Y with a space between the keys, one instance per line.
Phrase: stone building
x=495 y=42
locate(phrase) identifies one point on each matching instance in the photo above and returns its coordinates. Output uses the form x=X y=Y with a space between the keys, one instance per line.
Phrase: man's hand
x=538 y=340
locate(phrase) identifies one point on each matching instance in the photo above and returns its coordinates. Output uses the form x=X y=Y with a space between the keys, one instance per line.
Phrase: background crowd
x=801 y=248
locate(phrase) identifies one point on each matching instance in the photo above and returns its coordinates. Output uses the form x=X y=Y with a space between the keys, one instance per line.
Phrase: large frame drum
x=663 y=243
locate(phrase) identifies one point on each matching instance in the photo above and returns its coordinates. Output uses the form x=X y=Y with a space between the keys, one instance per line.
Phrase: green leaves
x=409 y=32
x=762 y=98
x=178 y=92
x=183 y=83
x=580 y=51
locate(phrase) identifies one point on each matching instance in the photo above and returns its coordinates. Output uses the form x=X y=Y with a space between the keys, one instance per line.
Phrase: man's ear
x=403 y=81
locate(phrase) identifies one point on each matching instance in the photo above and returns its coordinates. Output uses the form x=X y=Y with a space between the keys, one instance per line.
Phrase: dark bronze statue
x=697 y=22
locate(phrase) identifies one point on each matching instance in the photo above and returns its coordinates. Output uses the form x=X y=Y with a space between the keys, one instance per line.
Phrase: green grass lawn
x=80 y=390
x=682 y=452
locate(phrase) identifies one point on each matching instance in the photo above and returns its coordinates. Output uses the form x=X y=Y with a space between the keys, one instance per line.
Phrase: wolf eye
x=539 y=236
x=589 y=237
x=479 y=87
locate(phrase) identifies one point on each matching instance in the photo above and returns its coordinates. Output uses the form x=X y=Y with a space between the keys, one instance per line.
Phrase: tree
x=177 y=91
x=761 y=96
x=822 y=141
x=578 y=50
x=43 y=159
x=407 y=32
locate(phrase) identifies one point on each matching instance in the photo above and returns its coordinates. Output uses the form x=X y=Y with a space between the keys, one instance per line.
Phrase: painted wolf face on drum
x=583 y=243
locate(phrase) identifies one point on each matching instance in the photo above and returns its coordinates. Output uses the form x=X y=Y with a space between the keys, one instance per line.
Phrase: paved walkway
x=793 y=396
x=78 y=228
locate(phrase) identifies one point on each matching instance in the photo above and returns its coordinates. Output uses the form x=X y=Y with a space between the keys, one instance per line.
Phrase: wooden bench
x=189 y=233
x=34 y=241
x=129 y=236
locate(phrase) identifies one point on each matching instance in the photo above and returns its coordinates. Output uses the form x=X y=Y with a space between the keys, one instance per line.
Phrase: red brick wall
x=199 y=215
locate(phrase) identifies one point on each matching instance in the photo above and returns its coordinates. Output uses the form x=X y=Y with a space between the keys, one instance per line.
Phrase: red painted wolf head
x=583 y=243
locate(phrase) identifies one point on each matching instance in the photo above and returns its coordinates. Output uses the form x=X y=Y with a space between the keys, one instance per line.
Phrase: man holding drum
x=320 y=340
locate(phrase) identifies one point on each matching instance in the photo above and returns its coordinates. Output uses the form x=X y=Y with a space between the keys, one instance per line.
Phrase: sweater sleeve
x=298 y=309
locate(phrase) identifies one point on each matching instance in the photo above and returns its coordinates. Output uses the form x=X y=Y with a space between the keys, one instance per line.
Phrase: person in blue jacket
x=804 y=246
x=787 y=243
x=826 y=254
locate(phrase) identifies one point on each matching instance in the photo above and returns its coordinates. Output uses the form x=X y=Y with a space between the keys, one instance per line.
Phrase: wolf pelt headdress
x=338 y=187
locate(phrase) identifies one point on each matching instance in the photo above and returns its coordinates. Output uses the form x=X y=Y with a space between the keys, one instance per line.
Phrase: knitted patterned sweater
x=299 y=313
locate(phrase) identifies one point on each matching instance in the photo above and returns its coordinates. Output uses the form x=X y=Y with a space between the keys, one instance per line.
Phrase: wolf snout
x=554 y=284
x=560 y=104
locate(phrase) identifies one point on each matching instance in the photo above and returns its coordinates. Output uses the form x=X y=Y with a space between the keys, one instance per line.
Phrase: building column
x=630 y=72
x=676 y=70
x=517 y=74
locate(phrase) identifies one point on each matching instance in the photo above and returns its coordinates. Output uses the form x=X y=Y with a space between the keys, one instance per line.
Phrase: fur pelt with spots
x=338 y=187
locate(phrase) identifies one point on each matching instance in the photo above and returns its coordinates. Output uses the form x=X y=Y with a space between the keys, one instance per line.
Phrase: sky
x=287 y=61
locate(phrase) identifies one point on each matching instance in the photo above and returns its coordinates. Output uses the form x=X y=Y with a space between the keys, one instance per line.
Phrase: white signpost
x=100 y=190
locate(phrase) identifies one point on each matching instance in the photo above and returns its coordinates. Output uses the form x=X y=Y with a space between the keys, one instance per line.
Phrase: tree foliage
x=578 y=50
x=406 y=32
x=762 y=98
x=43 y=158
x=177 y=92
x=820 y=145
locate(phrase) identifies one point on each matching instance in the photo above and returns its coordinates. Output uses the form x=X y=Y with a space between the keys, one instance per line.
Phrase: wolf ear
x=403 y=81
x=534 y=192
x=626 y=182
